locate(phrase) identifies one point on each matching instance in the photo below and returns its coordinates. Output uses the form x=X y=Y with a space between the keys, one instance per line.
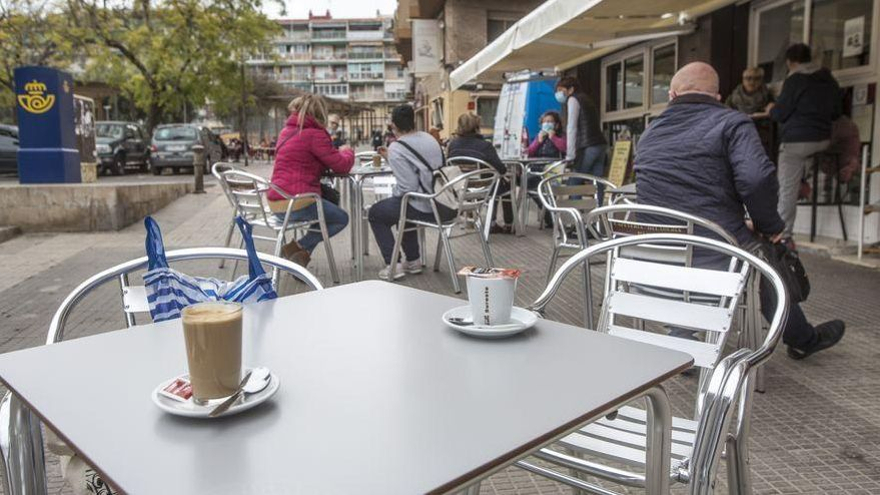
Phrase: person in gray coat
x=702 y=158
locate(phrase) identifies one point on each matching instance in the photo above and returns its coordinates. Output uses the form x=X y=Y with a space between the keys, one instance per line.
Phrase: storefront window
x=840 y=32
x=778 y=28
x=613 y=87
x=661 y=77
x=634 y=69
x=486 y=109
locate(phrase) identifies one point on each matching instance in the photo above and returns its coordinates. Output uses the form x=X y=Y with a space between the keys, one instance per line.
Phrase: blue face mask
x=560 y=96
x=548 y=126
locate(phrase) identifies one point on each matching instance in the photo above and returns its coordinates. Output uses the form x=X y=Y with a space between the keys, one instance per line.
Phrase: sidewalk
x=816 y=430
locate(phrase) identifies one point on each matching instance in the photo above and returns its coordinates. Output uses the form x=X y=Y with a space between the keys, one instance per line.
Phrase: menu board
x=619 y=162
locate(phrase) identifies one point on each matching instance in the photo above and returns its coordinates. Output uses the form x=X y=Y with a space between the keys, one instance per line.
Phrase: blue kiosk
x=47 y=152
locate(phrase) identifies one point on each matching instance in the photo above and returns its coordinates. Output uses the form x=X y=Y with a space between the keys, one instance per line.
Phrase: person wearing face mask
x=586 y=146
x=336 y=134
x=550 y=142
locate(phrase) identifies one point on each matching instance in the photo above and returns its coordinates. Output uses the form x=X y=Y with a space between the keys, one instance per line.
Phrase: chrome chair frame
x=551 y=169
x=470 y=198
x=249 y=194
x=566 y=212
x=726 y=392
x=21 y=440
x=217 y=171
x=601 y=223
x=468 y=164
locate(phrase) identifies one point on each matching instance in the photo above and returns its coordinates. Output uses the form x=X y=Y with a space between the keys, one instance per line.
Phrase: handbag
x=788 y=265
x=169 y=291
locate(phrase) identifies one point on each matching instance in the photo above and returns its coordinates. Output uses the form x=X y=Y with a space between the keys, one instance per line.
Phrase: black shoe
x=827 y=335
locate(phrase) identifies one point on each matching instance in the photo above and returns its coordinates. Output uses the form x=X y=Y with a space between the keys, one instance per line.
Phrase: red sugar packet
x=180 y=389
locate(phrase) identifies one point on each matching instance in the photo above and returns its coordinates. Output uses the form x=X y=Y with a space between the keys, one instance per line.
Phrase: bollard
x=199 y=168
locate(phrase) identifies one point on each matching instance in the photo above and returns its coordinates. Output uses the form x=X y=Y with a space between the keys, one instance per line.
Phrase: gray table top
x=377 y=396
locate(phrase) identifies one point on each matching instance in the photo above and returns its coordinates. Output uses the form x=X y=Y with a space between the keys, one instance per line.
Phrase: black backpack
x=788 y=264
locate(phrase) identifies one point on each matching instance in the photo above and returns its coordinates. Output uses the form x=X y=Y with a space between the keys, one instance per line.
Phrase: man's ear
x=717 y=96
x=672 y=95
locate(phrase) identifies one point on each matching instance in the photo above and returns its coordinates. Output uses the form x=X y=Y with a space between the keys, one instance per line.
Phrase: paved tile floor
x=816 y=430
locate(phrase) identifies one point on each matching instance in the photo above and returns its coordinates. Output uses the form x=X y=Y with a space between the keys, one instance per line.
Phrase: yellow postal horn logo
x=36 y=100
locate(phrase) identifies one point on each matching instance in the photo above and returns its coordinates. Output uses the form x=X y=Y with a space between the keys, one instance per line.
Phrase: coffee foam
x=211 y=312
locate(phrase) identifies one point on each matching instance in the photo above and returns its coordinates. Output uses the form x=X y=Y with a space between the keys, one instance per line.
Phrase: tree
x=30 y=34
x=166 y=53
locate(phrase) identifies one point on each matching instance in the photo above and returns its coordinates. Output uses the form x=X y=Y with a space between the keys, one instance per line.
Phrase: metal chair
x=217 y=171
x=725 y=385
x=467 y=164
x=623 y=220
x=21 y=439
x=550 y=170
x=249 y=194
x=472 y=191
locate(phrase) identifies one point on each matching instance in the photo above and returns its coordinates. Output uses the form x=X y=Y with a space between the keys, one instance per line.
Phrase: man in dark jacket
x=701 y=158
x=808 y=104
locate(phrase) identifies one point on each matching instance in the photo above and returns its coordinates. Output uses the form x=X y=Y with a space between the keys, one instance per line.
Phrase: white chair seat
x=623 y=439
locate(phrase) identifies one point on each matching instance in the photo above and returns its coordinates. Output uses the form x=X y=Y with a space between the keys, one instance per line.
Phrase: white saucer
x=520 y=319
x=190 y=409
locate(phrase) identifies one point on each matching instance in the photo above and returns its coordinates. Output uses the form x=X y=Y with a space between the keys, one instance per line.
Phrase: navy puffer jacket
x=702 y=158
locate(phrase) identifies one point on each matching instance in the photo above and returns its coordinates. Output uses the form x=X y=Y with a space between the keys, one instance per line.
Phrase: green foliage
x=163 y=54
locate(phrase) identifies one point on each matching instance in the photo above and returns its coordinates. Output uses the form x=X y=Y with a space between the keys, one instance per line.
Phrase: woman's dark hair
x=799 y=53
x=569 y=82
x=556 y=118
x=404 y=118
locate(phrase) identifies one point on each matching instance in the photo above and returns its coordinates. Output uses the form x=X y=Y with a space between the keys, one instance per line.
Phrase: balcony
x=332 y=36
x=366 y=35
x=371 y=96
x=366 y=76
x=365 y=55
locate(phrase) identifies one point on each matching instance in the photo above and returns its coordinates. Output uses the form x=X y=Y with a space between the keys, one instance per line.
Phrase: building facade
x=353 y=62
x=434 y=37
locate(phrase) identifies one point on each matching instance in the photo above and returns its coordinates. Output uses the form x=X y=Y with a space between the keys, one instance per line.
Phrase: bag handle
x=155 y=246
x=255 y=268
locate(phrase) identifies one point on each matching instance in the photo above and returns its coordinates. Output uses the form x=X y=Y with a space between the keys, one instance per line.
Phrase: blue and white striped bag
x=169 y=291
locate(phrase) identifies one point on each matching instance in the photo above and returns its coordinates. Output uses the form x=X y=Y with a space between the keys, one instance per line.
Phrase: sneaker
x=413 y=267
x=385 y=273
x=827 y=335
x=500 y=229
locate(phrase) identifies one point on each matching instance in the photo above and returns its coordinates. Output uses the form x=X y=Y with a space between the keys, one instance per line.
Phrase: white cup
x=491 y=299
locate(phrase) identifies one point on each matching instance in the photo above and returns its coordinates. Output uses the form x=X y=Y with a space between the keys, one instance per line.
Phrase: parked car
x=121 y=145
x=8 y=149
x=173 y=143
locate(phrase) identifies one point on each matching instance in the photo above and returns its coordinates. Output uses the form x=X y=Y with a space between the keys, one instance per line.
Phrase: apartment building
x=353 y=62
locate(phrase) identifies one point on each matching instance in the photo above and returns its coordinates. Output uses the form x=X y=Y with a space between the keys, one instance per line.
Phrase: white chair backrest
x=474 y=190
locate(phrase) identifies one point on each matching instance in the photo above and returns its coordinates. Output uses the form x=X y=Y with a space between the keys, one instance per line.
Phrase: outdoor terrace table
x=355 y=179
x=377 y=396
x=523 y=165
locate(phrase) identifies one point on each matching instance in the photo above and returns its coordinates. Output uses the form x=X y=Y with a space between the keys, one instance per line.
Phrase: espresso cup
x=212 y=333
x=377 y=161
x=491 y=299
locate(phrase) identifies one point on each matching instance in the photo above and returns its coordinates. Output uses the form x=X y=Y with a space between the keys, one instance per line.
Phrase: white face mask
x=560 y=96
x=548 y=126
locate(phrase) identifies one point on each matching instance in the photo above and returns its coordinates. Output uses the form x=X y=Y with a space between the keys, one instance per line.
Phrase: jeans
x=590 y=160
x=793 y=158
x=335 y=217
x=798 y=332
x=386 y=214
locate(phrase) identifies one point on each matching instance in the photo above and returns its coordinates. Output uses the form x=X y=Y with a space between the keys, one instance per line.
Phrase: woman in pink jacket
x=550 y=142
x=303 y=153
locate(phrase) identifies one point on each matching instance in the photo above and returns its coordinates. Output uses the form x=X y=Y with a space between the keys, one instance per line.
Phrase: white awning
x=563 y=33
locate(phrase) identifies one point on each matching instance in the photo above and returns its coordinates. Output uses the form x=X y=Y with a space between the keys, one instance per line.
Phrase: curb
x=7 y=233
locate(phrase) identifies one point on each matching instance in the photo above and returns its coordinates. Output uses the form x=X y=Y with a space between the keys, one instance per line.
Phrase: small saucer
x=190 y=409
x=520 y=319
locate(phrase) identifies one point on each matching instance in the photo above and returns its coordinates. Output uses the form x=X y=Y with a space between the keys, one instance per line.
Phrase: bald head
x=695 y=77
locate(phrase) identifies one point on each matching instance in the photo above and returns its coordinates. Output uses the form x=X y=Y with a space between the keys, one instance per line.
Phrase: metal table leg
x=21 y=442
x=659 y=442
x=524 y=197
x=357 y=225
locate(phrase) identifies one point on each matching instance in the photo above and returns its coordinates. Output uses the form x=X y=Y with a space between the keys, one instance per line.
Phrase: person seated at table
x=304 y=153
x=413 y=157
x=717 y=175
x=469 y=143
x=550 y=142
